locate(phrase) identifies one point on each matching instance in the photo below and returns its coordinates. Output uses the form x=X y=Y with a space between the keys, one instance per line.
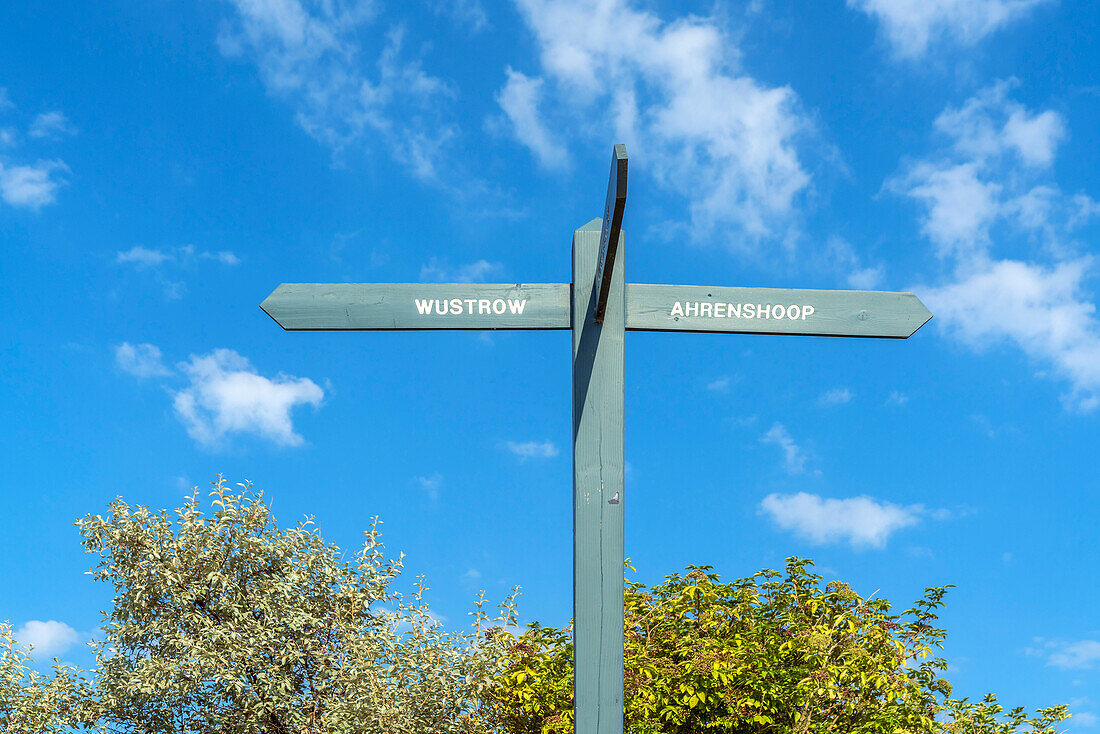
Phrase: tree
x=31 y=701
x=769 y=653
x=227 y=624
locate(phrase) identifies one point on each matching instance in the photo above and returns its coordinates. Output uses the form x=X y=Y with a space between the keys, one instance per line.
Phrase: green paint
x=370 y=306
x=785 y=311
x=598 y=492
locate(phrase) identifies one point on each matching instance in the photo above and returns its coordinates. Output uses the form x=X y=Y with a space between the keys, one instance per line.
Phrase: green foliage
x=33 y=702
x=770 y=653
x=227 y=624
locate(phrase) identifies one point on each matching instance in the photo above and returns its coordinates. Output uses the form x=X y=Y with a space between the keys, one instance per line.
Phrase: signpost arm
x=613 y=209
x=598 y=492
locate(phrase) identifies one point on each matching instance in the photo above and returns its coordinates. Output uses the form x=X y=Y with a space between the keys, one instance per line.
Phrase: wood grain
x=370 y=306
x=882 y=314
x=598 y=492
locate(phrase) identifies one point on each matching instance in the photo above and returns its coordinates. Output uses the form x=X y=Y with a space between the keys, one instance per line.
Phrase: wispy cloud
x=143 y=257
x=914 y=26
x=309 y=53
x=227 y=395
x=51 y=125
x=719 y=384
x=843 y=257
x=675 y=89
x=467 y=13
x=996 y=171
x=860 y=521
x=163 y=263
x=520 y=98
x=1075 y=655
x=835 y=396
x=533 y=449
x=141 y=360
x=431 y=484
x=47 y=638
x=439 y=271
x=794 y=458
x=32 y=186
x=896 y=398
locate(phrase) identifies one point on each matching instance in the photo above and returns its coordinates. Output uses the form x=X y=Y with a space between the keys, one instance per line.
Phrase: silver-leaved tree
x=225 y=623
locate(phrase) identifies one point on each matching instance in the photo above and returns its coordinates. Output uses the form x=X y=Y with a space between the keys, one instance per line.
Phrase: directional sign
x=600 y=308
x=370 y=306
x=609 y=232
x=773 y=311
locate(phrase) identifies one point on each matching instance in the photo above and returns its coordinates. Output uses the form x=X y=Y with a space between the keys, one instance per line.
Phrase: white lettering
x=779 y=311
x=793 y=311
x=517 y=306
x=807 y=311
x=762 y=312
x=456 y=306
x=498 y=303
x=677 y=309
x=440 y=307
x=482 y=306
x=735 y=309
x=423 y=305
x=705 y=309
x=719 y=310
x=691 y=307
x=750 y=311
x=470 y=304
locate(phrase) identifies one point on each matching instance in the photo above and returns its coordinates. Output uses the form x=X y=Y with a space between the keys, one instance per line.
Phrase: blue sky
x=163 y=166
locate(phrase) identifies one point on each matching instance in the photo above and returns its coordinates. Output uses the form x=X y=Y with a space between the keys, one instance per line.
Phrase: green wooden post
x=599 y=308
x=598 y=491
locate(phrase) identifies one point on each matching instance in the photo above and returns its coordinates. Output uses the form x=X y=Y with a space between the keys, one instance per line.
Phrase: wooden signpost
x=599 y=307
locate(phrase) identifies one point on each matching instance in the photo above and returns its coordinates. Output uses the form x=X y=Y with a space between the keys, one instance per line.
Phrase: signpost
x=600 y=307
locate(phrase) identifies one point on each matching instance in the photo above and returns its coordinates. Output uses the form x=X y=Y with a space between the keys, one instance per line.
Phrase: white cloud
x=860 y=521
x=519 y=98
x=1084 y=718
x=988 y=182
x=227 y=395
x=674 y=90
x=720 y=384
x=1084 y=210
x=431 y=484
x=32 y=186
x=836 y=396
x=794 y=458
x=161 y=263
x=1041 y=310
x=48 y=638
x=842 y=257
x=990 y=125
x=50 y=125
x=141 y=360
x=897 y=398
x=533 y=449
x=469 y=13
x=142 y=257
x=471 y=575
x=476 y=272
x=309 y=54
x=1081 y=655
x=912 y=26
x=224 y=256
